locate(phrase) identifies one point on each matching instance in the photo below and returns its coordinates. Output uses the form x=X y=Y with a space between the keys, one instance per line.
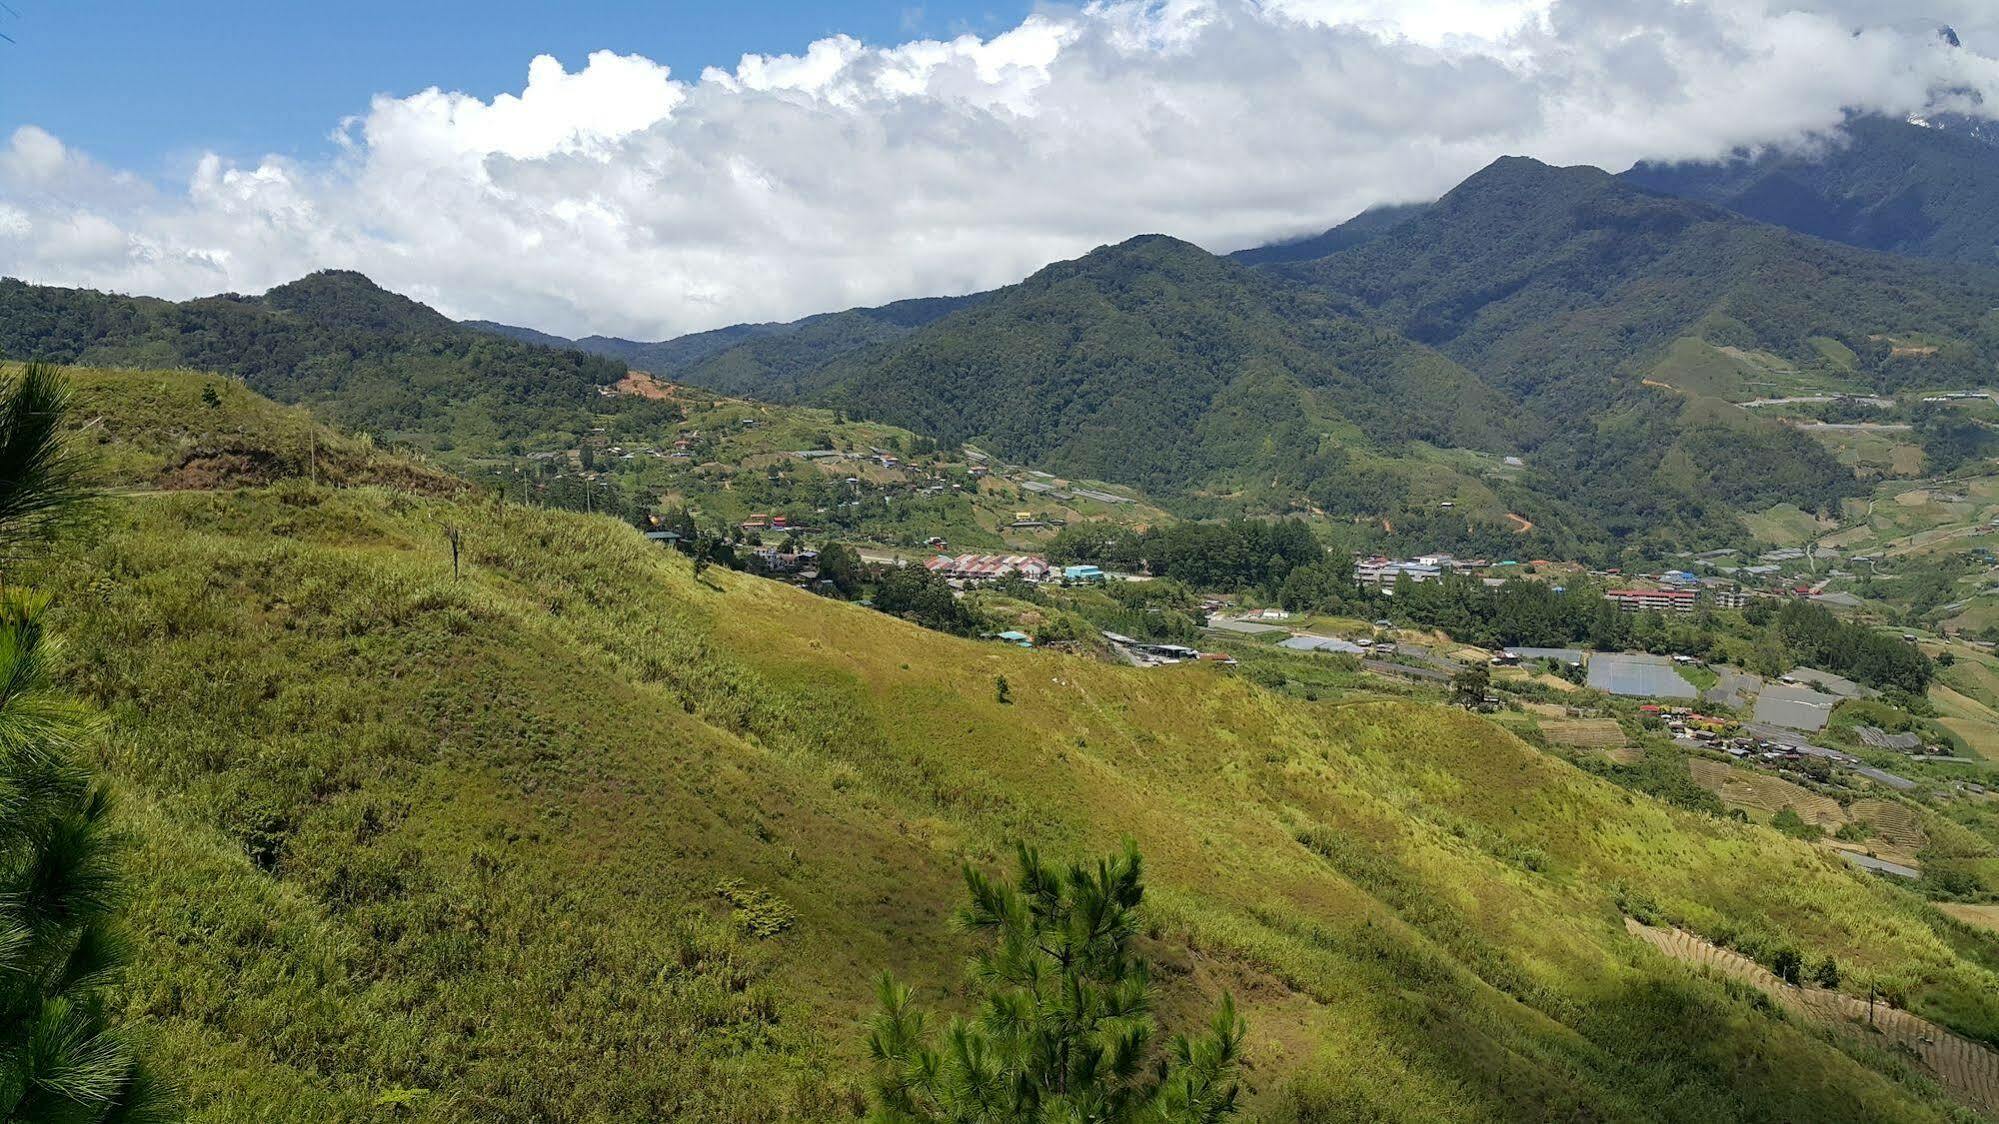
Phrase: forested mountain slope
x=752 y=359
x=1359 y=230
x=370 y=359
x=1566 y=289
x=1156 y=363
x=1558 y=284
x=1926 y=190
x=575 y=833
x=1536 y=312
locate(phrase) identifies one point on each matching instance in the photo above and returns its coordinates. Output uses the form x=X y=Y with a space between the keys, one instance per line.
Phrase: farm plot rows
x=1970 y=1070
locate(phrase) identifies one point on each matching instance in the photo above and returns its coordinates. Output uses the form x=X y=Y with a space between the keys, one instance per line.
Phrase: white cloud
x=623 y=199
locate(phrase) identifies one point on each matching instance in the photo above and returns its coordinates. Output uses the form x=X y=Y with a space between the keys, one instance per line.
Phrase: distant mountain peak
x=1916 y=185
x=1159 y=252
x=346 y=296
x=1151 y=245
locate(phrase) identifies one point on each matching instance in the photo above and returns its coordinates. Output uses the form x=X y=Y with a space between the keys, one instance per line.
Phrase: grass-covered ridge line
x=174 y=430
x=460 y=844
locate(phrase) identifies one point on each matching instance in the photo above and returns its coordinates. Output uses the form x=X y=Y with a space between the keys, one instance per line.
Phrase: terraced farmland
x=1767 y=795
x=1970 y=1070
x=1898 y=830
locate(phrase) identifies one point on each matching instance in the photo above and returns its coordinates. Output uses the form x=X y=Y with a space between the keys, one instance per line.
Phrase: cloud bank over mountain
x=625 y=199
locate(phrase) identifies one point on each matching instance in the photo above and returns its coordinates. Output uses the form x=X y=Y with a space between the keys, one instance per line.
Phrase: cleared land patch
x=1898 y=833
x=1986 y=916
x=1969 y=719
x=1585 y=733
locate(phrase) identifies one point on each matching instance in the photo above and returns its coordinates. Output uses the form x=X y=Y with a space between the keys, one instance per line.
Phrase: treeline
x=1951 y=440
x=1282 y=560
x=1239 y=554
x=1814 y=636
x=1768 y=637
x=1519 y=613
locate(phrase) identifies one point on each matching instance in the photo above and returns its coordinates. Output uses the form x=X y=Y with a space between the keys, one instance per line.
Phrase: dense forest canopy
x=369 y=359
x=1919 y=189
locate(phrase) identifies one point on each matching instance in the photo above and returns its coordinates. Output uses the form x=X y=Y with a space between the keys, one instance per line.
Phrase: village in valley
x=1883 y=778
x=1688 y=697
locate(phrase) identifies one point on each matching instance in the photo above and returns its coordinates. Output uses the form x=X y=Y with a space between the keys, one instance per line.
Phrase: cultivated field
x=1765 y=795
x=1969 y=719
x=1970 y=1070
x=1898 y=831
x=1585 y=733
x=1986 y=916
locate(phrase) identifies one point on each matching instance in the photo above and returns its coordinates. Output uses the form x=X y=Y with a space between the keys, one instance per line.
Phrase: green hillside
x=1545 y=280
x=577 y=834
x=1159 y=364
x=513 y=414
x=1308 y=382
x=366 y=358
x=1215 y=387
x=180 y=430
x=1577 y=293
x=751 y=358
x=819 y=469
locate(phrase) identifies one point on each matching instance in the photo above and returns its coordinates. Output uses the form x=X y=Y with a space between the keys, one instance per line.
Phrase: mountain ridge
x=1925 y=190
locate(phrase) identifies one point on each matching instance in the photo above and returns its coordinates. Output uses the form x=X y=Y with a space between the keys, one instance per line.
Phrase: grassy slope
x=516 y=792
x=455 y=844
x=152 y=429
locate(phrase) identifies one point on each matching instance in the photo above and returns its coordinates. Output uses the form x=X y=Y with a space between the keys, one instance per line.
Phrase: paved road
x=1786 y=736
x=1883 y=403
x=1869 y=862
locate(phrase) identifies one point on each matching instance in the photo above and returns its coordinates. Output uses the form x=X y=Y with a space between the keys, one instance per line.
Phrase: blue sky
x=148 y=85
x=596 y=192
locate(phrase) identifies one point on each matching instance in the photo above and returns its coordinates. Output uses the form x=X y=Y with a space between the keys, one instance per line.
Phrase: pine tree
x=1064 y=1029
x=60 y=1057
x=1469 y=687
